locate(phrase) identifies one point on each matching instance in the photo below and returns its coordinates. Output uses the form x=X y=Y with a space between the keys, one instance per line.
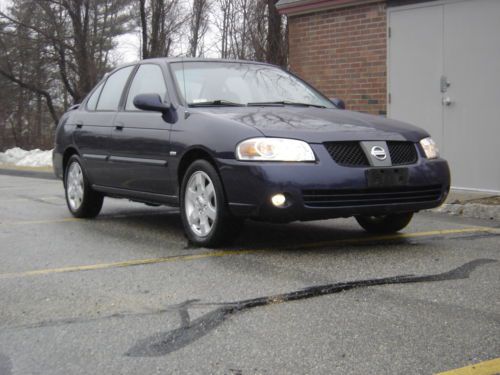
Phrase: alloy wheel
x=75 y=186
x=200 y=204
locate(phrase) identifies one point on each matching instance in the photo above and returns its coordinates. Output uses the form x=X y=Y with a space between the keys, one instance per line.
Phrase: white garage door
x=444 y=76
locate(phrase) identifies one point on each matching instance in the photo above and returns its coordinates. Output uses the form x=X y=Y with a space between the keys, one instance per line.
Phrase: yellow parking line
x=491 y=367
x=34 y=199
x=27 y=222
x=397 y=236
x=72 y=219
x=136 y=262
x=222 y=253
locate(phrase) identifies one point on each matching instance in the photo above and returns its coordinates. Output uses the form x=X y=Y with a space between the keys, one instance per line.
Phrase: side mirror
x=153 y=102
x=339 y=103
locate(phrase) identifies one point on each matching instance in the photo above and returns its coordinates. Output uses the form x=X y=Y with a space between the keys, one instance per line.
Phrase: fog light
x=278 y=200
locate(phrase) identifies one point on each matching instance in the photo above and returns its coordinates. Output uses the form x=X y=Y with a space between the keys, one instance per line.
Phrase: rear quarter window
x=92 y=102
x=113 y=88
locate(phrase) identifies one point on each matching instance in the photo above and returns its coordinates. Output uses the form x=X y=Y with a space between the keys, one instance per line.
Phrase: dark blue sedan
x=233 y=140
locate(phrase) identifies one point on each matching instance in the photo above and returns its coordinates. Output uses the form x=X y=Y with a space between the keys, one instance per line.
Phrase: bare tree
x=232 y=24
x=52 y=52
x=276 y=46
x=224 y=25
x=22 y=110
x=78 y=33
x=23 y=62
x=251 y=29
x=239 y=32
x=161 y=22
x=258 y=30
x=198 y=26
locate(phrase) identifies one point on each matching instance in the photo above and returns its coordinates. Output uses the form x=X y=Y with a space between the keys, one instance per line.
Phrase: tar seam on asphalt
x=163 y=343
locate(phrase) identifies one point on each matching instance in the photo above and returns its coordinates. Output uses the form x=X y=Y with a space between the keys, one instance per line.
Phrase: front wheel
x=82 y=200
x=385 y=223
x=205 y=217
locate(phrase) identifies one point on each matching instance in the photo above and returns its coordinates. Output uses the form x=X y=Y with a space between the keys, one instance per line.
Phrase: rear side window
x=148 y=80
x=92 y=102
x=113 y=88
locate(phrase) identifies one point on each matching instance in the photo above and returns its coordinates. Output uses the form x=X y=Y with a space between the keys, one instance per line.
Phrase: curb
x=28 y=173
x=473 y=210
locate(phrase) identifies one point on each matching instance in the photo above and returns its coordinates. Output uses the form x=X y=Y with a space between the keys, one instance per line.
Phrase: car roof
x=169 y=60
x=202 y=59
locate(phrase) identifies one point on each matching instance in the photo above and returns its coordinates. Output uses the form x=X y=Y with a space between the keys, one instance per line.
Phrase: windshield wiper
x=287 y=102
x=218 y=102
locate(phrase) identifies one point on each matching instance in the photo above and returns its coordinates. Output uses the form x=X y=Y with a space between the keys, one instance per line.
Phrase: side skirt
x=139 y=196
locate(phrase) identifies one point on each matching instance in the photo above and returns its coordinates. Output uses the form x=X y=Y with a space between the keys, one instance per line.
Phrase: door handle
x=79 y=124
x=444 y=83
x=119 y=126
x=447 y=101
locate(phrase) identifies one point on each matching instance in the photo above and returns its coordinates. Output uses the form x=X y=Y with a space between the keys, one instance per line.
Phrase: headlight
x=430 y=148
x=274 y=149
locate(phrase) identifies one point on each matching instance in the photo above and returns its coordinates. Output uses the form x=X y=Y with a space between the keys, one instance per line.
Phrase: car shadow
x=163 y=225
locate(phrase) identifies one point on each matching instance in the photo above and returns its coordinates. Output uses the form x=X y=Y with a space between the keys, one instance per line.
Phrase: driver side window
x=147 y=80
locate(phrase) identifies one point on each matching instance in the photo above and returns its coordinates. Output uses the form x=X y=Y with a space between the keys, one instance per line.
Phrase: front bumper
x=341 y=191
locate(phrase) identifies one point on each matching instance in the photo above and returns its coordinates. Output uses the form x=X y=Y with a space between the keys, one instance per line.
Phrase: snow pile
x=22 y=158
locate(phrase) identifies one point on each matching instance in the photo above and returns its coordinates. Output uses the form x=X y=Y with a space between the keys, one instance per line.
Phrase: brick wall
x=342 y=52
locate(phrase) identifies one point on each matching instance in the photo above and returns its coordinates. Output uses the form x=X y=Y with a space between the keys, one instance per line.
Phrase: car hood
x=316 y=125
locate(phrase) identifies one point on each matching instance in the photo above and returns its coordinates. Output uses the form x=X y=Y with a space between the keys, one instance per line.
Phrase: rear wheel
x=82 y=200
x=385 y=223
x=205 y=216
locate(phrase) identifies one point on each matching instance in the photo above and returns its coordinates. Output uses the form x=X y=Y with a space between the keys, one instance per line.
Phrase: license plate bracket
x=386 y=177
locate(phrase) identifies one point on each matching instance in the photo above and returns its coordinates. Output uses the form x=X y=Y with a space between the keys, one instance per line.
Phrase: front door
x=444 y=75
x=140 y=141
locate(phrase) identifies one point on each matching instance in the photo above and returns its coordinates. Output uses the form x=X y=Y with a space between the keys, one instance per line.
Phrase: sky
x=127 y=48
x=3 y=4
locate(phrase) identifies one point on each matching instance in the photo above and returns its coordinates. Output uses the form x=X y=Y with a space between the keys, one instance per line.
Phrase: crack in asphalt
x=163 y=343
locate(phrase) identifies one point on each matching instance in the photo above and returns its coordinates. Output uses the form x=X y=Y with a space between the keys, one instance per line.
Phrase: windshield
x=234 y=83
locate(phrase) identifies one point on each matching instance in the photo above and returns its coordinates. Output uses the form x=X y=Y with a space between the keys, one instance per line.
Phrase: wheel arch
x=195 y=153
x=68 y=153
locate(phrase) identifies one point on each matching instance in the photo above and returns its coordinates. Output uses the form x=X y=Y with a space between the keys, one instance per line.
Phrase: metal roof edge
x=299 y=7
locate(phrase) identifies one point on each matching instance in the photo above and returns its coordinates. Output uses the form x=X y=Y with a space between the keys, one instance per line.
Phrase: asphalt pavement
x=126 y=294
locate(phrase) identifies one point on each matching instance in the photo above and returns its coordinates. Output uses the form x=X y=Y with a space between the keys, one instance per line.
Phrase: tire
x=82 y=200
x=205 y=216
x=385 y=223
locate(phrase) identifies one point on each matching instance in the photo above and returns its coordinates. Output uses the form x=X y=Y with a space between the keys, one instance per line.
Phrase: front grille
x=347 y=153
x=351 y=154
x=368 y=197
x=402 y=152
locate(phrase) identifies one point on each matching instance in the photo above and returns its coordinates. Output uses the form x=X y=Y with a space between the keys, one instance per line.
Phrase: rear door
x=93 y=126
x=91 y=134
x=140 y=141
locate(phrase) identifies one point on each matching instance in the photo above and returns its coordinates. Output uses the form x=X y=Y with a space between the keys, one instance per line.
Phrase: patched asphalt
x=126 y=294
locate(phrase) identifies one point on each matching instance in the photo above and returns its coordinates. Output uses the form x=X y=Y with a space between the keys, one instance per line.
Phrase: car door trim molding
x=140 y=196
x=123 y=159
x=95 y=156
